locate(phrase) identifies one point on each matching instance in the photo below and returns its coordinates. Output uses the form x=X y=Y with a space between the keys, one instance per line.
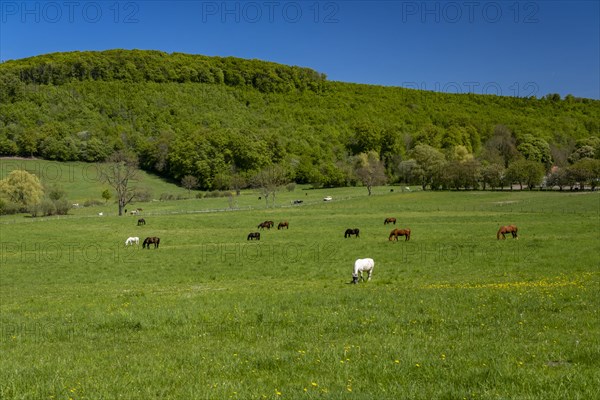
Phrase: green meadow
x=453 y=313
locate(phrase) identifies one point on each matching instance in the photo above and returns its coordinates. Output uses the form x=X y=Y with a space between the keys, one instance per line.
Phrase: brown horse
x=350 y=232
x=151 y=240
x=271 y=224
x=141 y=221
x=254 y=235
x=400 y=232
x=512 y=229
x=263 y=225
x=390 y=221
x=283 y=224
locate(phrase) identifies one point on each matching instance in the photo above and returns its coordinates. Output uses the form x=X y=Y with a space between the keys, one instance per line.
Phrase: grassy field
x=451 y=314
x=82 y=180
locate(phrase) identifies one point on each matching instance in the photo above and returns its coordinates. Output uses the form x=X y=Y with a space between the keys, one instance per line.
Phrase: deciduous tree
x=22 y=188
x=432 y=162
x=189 y=182
x=269 y=181
x=525 y=172
x=370 y=170
x=121 y=173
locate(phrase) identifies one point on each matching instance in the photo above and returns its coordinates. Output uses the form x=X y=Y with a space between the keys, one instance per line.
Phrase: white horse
x=132 y=240
x=363 y=265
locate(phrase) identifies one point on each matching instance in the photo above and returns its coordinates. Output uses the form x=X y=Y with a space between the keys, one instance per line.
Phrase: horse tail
x=498 y=234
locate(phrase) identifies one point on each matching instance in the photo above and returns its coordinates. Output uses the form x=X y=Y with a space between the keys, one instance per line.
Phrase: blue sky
x=510 y=48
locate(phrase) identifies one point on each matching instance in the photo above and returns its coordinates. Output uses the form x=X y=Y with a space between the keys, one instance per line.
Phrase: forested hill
x=155 y=66
x=214 y=118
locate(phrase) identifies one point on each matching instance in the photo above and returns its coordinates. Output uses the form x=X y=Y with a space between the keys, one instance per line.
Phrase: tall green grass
x=452 y=314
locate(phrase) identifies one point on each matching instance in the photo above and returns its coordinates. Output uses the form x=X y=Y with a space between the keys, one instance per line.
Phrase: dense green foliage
x=217 y=119
x=453 y=313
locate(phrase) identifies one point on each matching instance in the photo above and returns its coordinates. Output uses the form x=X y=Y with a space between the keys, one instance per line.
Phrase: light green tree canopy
x=22 y=188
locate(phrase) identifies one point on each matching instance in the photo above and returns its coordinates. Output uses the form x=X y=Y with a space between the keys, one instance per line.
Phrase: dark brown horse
x=253 y=235
x=263 y=225
x=283 y=224
x=151 y=240
x=512 y=229
x=350 y=232
x=400 y=232
x=390 y=220
x=141 y=221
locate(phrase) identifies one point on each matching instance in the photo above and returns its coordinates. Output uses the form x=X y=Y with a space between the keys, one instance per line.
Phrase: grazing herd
x=361 y=265
x=267 y=225
x=150 y=240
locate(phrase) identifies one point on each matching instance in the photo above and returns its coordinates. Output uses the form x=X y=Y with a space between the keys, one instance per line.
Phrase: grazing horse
x=151 y=240
x=390 y=221
x=362 y=265
x=253 y=235
x=131 y=240
x=512 y=229
x=400 y=232
x=264 y=225
x=271 y=224
x=350 y=232
x=282 y=225
x=141 y=221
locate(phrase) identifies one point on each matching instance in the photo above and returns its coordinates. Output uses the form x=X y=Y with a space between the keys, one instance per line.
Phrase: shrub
x=56 y=193
x=8 y=207
x=212 y=194
x=46 y=207
x=62 y=206
x=166 y=196
x=92 y=202
x=143 y=195
x=218 y=193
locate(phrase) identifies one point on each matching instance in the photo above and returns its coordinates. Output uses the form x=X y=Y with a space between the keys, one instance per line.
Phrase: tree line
x=157 y=66
x=187 y=118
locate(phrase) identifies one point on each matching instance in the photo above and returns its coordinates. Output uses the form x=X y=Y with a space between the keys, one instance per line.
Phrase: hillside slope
x=208 y=116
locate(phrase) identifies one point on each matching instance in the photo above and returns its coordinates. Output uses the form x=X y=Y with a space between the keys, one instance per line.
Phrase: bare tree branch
x=119 y=171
